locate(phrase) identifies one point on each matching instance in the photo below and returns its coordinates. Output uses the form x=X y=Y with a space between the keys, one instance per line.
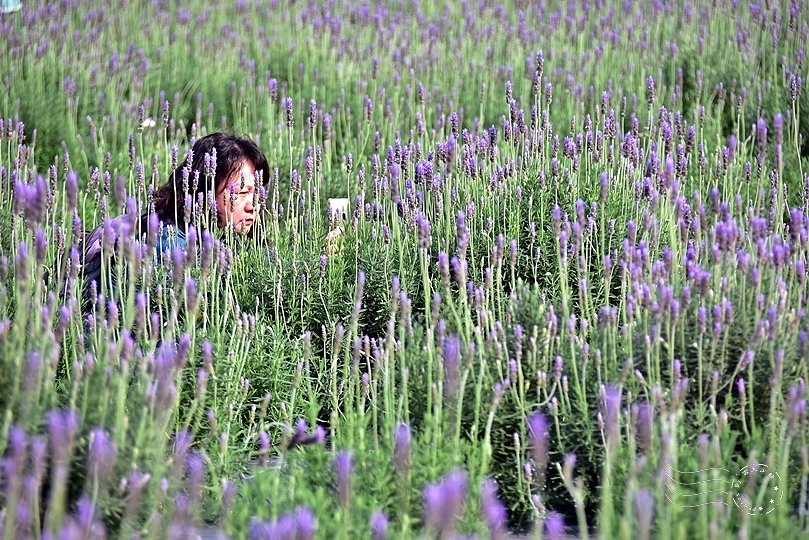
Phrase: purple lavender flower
x=554 y=526
x=135 y=483
x=195 y=466
x=650 y=90
x=285 y=528
x=63 y=425
x=72 y=190
x=451 y=356
x=538 y=430
x=31 y=200
x=40 y=245
x=443 y=267
x=644 y=513
x=21 y=264
x=39 y=448
x=305 y=523
x=443 y=502
x=740 y=386
x=312 y=114
x=761 y=133
x=290 y=118
x=23 y=513
x=70 y=529
x=319 y=435
x=423 y=226
x=343 y=467
x=258 y=530
x=611 y=406
x=264 y=447
x=85 y=518
x=191 y=293
x=568 y=466
x=795 y=407
x=795 y=84
x=33 y=369
x=401 y=448
x=326 y=127
x=379 y=525
x=494 y=511
x=13 y=462
x=228 y=496
x=102 y=455
x=643 y=414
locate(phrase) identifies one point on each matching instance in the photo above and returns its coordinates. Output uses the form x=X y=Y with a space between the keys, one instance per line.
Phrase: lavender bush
x=570 y=289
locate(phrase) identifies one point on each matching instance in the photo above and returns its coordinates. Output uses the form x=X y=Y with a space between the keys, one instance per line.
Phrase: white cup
x=338 y=209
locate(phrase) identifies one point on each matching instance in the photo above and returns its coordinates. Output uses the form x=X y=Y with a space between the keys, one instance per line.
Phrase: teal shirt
x=170 y=237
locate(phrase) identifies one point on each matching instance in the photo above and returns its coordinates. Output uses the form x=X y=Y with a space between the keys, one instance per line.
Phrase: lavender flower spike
x=379 y=525
x=102 y=454
x=444 y=501
x=305 y=523
x=644 y=513
x=451 y=357
x=493 y=510
x=644 y=421
x=538 y=430
x=343 y=466
x=401 y=449
x=554 y=526
x=611 y=407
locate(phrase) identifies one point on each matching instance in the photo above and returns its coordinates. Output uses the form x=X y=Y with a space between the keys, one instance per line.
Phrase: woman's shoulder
x=109 y=227
x=170 y=236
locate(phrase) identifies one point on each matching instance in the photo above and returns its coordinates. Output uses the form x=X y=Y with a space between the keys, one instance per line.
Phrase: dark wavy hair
x=231 y=153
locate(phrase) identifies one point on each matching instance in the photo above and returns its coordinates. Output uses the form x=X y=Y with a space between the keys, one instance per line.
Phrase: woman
x=221 y=174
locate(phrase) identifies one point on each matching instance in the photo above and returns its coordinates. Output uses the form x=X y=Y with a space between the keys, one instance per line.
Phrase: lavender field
x=569 y=296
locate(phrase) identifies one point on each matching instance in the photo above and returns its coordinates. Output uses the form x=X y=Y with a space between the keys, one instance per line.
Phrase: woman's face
x=235 y=201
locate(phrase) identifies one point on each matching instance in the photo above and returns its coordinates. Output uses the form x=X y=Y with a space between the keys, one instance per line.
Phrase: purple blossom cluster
x=36 y=473
x=123 y=347
x=444 y=502
x=300 y=524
